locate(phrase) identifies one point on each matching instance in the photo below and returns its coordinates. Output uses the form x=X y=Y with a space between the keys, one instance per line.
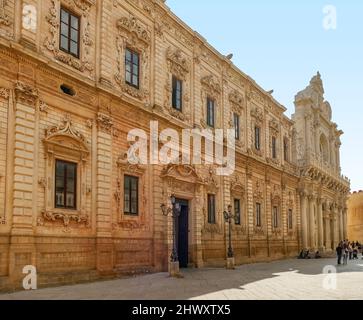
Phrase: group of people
x=306 y=254
x=348 y=250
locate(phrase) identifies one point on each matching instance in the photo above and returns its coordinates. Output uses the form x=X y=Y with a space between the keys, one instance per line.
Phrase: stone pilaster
x=104 y=196
x=22 y=248
x=327 y=238
x=312 y=234
x=304 y=220
x=320 y=225
x=250 y=211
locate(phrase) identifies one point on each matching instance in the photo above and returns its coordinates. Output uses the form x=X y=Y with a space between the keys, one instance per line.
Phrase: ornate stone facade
x=54 y=106
x=355 y=217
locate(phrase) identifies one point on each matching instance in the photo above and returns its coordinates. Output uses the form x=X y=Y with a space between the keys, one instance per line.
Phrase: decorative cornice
x=25 y=93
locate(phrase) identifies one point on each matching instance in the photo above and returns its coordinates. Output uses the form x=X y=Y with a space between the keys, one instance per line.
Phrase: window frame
x=211 y=213
x=274 y=147
x=237 y=124
x=290 y=224
x=177 y=95
x=237 y=213
x=133 y=54
x=275 y=217
x=130 y=178
x=258 y=215
x=69 y=38
x=286 y=150
x=211 y=103
x=257 y=138
x=75 y=165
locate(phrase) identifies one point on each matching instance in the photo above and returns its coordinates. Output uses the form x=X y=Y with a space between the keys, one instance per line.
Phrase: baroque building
x=76 y=77
x=355 y=216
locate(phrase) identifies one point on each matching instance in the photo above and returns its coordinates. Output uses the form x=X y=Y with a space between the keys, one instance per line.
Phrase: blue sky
x=282 y=44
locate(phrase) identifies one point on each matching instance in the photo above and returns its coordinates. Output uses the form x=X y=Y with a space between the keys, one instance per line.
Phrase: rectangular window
x=273 y=143
x=290 y=221
x=236 y=126
x=65 y=185
x=257 y=138
x=69 y=33
x=275 y=217
x=258 y=215
x=237 y=211
x=210 y=113
x=177 y=94
x=132 y=68
x=131 y=195
x=286 y=150
x=211 y=209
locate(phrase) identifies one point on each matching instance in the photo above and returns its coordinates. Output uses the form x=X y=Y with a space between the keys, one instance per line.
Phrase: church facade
x=76 y=77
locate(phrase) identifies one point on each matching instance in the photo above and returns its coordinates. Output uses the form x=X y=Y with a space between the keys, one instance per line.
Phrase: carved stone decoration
x=65 y=218
x=43 y=107
x=212 y=84
x=4 y=18
x=178 y=66
x=54 y=136
x=51 y=42
x=237 y=186
x=182 y=172
x=132 y=34
x=105 y=122
x=274 y=127
x=25 y=93
x=4 y=93
x=258 y=115
x=177 y=63
x=237 y=101
x=211 y=181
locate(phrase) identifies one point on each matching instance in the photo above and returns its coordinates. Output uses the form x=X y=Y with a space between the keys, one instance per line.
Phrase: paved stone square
x=289 y=279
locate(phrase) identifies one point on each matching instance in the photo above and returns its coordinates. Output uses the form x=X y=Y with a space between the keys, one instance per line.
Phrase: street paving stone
x=280 y=280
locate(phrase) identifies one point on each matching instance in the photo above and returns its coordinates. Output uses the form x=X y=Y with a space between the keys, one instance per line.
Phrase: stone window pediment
x=64 y=142
x=178 y=66
x=134 y=35
x=64 y=138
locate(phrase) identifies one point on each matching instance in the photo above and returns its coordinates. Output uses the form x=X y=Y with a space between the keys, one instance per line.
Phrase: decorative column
x=311 y=222
x=320 y=226
x=104 y=196
x=328 y=246
x=22 y=248
x=304 y=222
x=341 y=224
x=345 y=227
